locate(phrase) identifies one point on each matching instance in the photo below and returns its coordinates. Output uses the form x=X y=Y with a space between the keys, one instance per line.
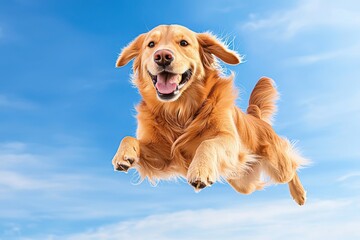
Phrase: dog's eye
x=183 y=43
x=151 y=44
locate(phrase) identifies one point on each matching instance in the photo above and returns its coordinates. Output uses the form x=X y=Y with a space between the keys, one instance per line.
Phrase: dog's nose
x=163 y=57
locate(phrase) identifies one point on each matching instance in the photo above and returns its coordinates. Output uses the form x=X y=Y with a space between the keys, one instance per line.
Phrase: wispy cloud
x=336 y=55
x=348 y=176
x=23 y=169
x=307 y=15
x=350 y=181
x=15 y=154
x=12 y=146
x=42 y=175
x=331 y=121
x=329 y=109
x=15 y=103
x=17 y=181
x=54 y=182
x=273 y=220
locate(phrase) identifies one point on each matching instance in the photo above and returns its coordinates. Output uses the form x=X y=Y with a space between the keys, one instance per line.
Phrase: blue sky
x=64 y=108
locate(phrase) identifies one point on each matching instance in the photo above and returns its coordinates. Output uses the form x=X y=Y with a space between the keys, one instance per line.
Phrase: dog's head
x=169 y=58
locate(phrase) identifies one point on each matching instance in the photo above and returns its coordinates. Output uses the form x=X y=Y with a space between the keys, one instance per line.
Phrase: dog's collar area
x=185 y=77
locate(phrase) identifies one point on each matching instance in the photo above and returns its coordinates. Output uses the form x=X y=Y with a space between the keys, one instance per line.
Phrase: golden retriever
x=188 y=124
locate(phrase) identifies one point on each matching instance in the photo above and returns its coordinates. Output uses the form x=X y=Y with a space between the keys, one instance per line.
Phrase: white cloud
x=58 y=183
x=322 y=219
x=306 y=15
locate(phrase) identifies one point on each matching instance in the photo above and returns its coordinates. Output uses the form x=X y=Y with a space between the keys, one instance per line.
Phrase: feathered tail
x=262 y=103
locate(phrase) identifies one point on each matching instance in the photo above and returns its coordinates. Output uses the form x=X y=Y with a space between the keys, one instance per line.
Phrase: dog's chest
x=182 y=138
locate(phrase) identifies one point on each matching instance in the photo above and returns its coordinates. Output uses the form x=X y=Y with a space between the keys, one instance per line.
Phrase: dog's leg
x=149 y=161
x=205 y=167
x=281 y=164
x=281 y=160
x=249 y=181
x=297 y=191
x=127 y=154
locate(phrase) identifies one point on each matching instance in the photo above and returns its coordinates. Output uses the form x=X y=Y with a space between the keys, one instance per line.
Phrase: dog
x=188 y=123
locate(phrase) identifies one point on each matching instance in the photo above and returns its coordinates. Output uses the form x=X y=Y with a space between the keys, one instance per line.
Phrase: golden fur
x=200 y=134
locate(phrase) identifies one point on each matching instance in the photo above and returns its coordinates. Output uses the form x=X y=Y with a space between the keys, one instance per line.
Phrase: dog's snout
x=163 y=57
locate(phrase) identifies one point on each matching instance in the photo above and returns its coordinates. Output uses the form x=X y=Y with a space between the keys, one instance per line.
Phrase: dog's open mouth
x=168 y=84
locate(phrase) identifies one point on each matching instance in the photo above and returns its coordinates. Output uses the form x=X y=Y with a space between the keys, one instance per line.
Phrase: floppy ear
x=209 y=44
x=130 y=51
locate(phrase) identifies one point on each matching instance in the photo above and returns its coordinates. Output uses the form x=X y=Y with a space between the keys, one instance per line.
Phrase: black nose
x=163 y=57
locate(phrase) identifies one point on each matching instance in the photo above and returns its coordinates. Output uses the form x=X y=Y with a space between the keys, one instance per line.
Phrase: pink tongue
x=166 y=83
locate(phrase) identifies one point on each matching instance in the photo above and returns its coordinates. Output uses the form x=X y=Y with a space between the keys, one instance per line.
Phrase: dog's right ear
x=130 y=51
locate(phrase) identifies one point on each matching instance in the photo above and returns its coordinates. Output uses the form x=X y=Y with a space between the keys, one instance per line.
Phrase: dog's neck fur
x=193 y=98
x=178 y=121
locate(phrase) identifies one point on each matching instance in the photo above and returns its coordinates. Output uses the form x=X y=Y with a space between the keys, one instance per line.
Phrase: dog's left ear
x=209 y=44
x=130 y=51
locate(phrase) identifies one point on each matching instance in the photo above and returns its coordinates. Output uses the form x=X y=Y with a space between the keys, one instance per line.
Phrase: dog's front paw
x=200 y=176
x=122 y=162
x=127 y=154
